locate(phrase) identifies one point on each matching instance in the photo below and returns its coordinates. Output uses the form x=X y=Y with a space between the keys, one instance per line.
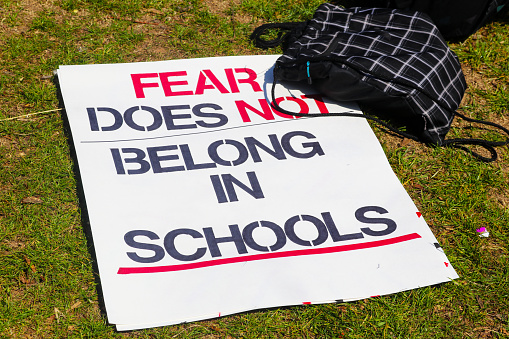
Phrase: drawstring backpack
x=394 y=63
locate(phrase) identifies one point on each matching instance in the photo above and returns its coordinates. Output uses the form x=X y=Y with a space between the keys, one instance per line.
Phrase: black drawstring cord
x=458 y=143
x=285 y=29
x=276 y=106
x=489 y=123
x=488 y=145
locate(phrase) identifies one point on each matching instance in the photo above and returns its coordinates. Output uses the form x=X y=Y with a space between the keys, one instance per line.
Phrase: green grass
x=48 y=284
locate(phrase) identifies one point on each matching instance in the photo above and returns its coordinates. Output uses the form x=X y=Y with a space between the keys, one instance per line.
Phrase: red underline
x=273 y=255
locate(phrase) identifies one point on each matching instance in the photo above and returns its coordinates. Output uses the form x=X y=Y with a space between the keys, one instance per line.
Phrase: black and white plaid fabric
x=400 y=53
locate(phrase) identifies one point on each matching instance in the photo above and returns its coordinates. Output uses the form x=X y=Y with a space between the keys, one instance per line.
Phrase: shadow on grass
x=85 y=222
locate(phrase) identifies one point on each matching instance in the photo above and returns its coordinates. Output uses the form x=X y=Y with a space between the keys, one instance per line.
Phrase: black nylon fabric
x=456 y=19
x=394 y=63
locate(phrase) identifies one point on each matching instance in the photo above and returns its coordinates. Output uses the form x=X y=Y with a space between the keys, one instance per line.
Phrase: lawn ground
x=48 y=284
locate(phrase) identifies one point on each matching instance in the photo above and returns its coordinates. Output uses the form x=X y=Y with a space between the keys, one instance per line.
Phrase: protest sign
x=203 y=201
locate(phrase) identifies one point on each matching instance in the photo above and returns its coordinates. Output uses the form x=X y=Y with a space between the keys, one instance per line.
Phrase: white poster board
x=205 y=202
